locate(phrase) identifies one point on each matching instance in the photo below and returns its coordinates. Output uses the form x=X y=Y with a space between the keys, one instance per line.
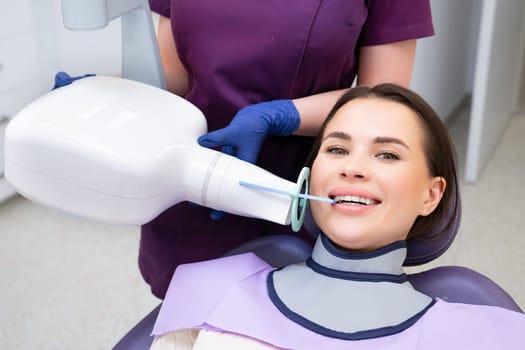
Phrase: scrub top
x=241 y=52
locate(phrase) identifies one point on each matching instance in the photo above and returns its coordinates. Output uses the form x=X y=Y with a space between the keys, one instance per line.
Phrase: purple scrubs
x=242 y=52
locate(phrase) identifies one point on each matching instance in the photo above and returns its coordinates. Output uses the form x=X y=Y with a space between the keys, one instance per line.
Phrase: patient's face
x=372 y=162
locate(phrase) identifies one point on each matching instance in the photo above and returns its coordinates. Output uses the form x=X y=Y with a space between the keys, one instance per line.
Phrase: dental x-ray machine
x=122 y=150
x=119 y=151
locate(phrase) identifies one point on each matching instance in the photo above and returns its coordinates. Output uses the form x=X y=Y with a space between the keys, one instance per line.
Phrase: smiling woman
x=384 y=177
x=387 y=161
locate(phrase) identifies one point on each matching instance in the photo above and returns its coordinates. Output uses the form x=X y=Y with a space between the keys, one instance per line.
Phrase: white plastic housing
x=118 y=151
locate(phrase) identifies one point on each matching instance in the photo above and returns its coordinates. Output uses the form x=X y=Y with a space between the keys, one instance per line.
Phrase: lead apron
x=349 y=295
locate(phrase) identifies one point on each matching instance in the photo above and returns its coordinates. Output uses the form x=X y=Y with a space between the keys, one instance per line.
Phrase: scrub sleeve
x=241 y=52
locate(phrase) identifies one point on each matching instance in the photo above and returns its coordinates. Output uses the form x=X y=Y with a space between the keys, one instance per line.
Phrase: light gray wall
x=522 y=94
x=444 y=64
x=77 y=52
x=497 y=81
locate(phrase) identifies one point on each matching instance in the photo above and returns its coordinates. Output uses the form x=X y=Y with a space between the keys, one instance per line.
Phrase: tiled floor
x=71 y=284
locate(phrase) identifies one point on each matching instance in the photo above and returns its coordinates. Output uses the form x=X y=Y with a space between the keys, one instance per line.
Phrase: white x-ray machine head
x=119 y=151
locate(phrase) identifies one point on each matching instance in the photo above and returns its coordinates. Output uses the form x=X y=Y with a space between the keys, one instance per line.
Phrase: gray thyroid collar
x=349 y=295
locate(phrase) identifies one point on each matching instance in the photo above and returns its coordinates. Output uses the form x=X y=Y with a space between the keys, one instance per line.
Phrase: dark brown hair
x=438 y=149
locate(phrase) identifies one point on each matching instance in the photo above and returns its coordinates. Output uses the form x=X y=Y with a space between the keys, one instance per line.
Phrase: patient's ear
x=435 y=192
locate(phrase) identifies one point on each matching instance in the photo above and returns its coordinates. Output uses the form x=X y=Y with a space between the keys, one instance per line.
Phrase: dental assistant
x=265 y=74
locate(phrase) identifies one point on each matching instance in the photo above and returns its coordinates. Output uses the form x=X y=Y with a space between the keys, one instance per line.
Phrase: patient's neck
x=387 y=260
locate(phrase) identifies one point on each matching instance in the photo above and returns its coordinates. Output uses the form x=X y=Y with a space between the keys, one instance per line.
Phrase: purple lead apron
x=241 y=52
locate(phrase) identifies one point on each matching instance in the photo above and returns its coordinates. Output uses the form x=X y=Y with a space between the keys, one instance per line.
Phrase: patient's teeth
x=354 y=199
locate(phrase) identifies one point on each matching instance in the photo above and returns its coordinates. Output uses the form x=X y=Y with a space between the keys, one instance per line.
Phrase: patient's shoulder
x=216 y=274
x=233 y=266
x=197 y=289
x=487 y=325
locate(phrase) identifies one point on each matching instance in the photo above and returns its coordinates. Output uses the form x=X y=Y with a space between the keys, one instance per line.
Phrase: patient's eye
x=388 y=156
x=336 y=150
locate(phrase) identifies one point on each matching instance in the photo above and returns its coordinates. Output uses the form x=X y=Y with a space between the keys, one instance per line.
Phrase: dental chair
x=451 y=283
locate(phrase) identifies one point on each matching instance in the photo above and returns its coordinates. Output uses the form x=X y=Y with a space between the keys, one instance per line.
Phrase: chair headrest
x=422 y=251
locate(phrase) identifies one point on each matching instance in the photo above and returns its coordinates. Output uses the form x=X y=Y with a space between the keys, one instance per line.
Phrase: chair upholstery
x=458 y=284
x=420 y=252
x=450 y=283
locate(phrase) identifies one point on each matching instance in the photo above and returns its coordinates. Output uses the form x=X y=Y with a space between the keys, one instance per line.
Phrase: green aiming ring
x=299 y=204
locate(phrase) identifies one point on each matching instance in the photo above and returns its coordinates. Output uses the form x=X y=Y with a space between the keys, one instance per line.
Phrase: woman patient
x=387 y=161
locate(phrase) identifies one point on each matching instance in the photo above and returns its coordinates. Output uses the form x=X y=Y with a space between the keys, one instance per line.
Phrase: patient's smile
x=353 y=200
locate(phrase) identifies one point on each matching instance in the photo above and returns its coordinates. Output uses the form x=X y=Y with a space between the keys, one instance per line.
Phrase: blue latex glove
x=246 y=132
x=63 y=79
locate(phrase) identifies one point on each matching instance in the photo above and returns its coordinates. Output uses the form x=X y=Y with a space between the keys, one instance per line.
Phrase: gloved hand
x=63 y=79
x=246 y=132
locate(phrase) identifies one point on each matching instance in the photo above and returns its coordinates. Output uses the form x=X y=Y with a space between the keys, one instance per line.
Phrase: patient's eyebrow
x=378 y=140
x=338 y=135
x=388 y=139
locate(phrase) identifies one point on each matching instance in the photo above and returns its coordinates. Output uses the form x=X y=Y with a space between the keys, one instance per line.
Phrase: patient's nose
x=356 y=168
